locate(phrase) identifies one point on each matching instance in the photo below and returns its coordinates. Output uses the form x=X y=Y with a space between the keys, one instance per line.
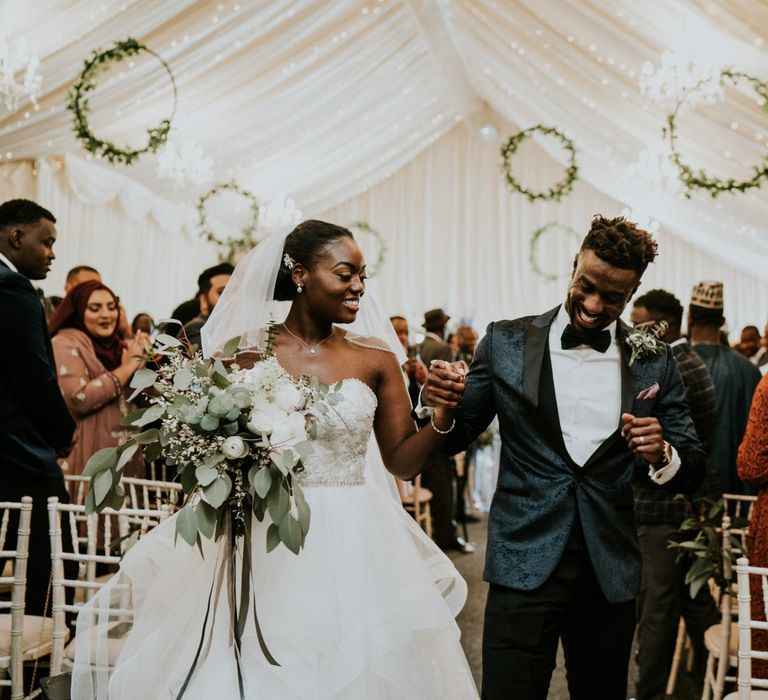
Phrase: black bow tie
x=599 y=340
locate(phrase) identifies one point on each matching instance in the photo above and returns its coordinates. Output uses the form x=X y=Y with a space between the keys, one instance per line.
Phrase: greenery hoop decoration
x=699 y=179
x=245 y=240
x=77 y=103
x=372 y=269
x=535 y=236
x=559 y=189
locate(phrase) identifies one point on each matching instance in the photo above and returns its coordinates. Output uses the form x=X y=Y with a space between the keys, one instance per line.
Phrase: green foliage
x=559 y=189
x=699 y=179
x=78 y=103
x=229 y=247
x=535 y=236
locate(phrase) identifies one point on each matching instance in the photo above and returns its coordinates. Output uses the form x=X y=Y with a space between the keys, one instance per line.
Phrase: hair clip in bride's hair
x=288 y=261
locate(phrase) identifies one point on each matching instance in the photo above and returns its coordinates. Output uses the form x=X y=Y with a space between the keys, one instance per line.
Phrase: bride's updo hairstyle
x=305 y=244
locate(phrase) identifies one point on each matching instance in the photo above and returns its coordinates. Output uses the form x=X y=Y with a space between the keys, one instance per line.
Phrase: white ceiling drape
x=337 y=104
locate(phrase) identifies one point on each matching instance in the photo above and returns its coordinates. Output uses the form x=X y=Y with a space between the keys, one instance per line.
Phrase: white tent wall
x=152 y=267
x=457 y=237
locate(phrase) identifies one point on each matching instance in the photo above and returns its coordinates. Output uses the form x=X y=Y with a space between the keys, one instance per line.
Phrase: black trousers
x=39 y=562
x=438 y=477
x=664 y=597
x=522 y=629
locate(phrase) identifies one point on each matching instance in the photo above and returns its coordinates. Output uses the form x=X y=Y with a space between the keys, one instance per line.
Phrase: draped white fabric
x=351 y=108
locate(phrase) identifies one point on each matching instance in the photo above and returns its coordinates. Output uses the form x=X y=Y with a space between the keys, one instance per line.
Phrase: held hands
x=444 y=385
x=644 y=437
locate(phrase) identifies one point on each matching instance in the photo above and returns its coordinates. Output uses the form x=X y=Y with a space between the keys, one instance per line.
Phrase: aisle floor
x=471 y=623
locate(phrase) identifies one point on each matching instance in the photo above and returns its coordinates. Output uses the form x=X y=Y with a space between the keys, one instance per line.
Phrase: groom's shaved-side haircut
x=620 y=243
x=305 y=244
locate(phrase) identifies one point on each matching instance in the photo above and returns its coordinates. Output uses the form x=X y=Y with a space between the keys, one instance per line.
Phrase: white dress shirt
x=9 y=263
x=588 y=393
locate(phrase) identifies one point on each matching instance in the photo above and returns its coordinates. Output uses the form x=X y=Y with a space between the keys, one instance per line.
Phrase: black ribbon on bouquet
x=227 y=566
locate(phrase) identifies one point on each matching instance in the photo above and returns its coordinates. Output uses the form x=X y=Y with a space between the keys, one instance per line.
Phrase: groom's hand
x=444 y=385
x=644 y=437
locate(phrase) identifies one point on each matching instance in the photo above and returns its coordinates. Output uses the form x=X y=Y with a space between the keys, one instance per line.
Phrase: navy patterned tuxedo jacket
x=541 y=490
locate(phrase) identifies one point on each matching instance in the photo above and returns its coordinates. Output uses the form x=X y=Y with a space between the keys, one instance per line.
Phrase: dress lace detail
x=342 y=439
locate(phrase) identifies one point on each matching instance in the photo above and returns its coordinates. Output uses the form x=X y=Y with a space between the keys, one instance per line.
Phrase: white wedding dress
x=364 y=612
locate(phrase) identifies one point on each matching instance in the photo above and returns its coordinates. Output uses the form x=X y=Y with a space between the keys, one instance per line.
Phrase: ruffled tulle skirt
x=364 y=612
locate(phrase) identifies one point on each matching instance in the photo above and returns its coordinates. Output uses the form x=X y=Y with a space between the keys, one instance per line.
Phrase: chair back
x=149 y=493
x=17 y=580
x=740 y=508
x=100 y=548
x=747 y=623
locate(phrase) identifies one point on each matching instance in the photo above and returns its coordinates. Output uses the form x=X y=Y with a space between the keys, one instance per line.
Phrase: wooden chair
x=106 y=550
x=418 y=503
x=22 y=637
x=721 y=640
x=746 y=683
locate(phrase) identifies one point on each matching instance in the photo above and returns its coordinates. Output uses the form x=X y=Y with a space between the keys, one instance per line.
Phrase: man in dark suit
x=35 y=426
x=576 y=407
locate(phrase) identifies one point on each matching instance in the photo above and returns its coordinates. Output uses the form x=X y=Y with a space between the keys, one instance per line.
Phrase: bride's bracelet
x=437 y=430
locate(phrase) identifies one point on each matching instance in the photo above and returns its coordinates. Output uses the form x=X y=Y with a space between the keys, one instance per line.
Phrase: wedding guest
x=210 y=286
x=664 y=595
x=466 y=342
x=81 y=273
x=95 y=366
x=760 y=358
x=749 y=342
x=185 y=312
x=439 y=475
x=143 y=322
x=35 y=426
x=734 y=376
x=453 y=344
x=562 y=558
x=753 y=469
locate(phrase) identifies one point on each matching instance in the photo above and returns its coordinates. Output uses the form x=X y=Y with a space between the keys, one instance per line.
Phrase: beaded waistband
x=332 y=482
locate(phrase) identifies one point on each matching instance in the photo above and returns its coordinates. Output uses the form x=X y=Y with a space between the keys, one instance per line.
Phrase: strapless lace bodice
x=343 y=432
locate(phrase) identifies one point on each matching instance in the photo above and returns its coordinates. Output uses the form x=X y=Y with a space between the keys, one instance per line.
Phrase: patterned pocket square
x=650 y=392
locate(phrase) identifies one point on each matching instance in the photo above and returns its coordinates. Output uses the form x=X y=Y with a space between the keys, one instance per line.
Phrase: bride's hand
x=444 y=385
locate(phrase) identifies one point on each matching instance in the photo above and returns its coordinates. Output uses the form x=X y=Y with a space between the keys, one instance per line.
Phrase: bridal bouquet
x=237 y=437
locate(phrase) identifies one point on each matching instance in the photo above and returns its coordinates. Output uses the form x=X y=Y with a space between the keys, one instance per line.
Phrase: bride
x=366 y=610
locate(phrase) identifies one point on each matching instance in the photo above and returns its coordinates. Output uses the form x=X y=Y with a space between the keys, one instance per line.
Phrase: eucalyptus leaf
x=188 y=480
x=278 y=459
x=187 y=524
x=132 y=416
x=115 y=499
x=273 y=537
x=261 y=482
x=141 y=380
x=230 y=429
x=231 y=346
x=207 y=516
x=278 y=503
x=153 y=452
x=218 y=490
x=90 y=502
x=209 y=423
x=205 y=475
x=183 y=378
x=147 y=437
x=126 y=452
x=291 y=534
x=212 y=460
x=101 y=484
x=304 y=449
x=150 y=416
x=302 y=509
x=101 y=460
x=168 y=340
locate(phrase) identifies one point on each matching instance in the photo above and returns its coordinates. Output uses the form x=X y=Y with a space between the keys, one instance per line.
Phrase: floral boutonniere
x=645 y=342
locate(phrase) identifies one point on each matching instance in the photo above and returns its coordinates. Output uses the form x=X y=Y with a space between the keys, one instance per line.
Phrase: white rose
x=290 y=431
x=288 y=397
x=265 y=418
x=234 y=447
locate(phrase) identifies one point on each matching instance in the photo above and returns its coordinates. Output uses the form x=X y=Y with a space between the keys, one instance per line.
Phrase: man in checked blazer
x=576 y=411
x=35 y=426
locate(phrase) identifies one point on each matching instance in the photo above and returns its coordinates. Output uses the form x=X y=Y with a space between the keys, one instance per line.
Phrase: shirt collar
x=8 y=263
x=677 y=342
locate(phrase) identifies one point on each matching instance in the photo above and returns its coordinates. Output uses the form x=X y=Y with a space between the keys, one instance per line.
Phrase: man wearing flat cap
x=734 y=376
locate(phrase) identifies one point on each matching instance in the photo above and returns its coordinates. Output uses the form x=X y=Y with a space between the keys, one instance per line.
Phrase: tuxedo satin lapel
x=535 y=344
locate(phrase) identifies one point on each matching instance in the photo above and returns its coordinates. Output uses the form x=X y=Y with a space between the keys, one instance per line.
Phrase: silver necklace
x=312 y=348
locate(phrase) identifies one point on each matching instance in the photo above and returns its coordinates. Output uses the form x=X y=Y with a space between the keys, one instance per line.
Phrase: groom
x=563 y=560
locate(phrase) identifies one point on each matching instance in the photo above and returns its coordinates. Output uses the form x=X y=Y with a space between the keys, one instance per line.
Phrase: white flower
x=288 y=397
x=234 y=447
x=265 y=418
x=289 y=431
